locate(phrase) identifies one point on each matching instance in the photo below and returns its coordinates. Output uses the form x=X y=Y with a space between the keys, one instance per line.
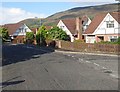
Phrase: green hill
x=90 y=11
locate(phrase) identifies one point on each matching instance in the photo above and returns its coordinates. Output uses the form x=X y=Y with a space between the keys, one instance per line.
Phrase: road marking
x=114 y=75
x=80 y=60
x=96 y=64
x=87 y=61
x=104 y=68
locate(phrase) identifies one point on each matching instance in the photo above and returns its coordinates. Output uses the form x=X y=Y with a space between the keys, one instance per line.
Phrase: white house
x=21 y=31
x=104 y=27
x=74 y=27
x=18 y=31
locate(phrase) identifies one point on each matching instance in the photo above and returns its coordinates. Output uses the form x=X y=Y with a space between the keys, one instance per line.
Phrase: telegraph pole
x=40 y=31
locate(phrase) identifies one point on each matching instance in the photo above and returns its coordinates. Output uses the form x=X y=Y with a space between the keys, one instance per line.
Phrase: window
x=20 y=30
x=62 y=27
x=25 y=30
x=113 y=38
x=110 y=24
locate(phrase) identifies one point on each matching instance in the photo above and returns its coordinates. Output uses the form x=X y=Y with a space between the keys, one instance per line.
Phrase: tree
x=57 y=33
x=29 y=37
x=4 y=34
x=41 y=35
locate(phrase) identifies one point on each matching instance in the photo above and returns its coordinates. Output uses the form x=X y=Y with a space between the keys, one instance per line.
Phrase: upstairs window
x=61 y=27
x=110 y=24
x=25 y=30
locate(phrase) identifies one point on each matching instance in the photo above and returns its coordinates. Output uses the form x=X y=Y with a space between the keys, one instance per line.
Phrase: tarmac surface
x=27 y=67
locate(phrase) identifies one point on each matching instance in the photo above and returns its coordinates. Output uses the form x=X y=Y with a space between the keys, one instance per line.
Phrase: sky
x=12 y=12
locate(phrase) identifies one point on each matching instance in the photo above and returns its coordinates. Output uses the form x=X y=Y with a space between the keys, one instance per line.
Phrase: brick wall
x=87 y=47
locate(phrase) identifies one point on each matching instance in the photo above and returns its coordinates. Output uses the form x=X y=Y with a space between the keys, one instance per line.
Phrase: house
x=104 y=27
x=74 y=27
x=17 y=31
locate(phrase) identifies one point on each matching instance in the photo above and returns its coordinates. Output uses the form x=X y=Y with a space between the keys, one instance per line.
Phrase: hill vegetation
x=90 y=11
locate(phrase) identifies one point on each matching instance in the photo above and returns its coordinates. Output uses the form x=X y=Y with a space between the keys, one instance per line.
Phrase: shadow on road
x=5 y=84
x=19 y=53
x=12 y=81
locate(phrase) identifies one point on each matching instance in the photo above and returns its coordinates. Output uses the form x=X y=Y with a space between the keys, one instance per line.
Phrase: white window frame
x=113 y=38
x=110 y=24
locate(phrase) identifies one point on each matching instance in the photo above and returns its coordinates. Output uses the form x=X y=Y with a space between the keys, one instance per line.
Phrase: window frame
x=110 y=24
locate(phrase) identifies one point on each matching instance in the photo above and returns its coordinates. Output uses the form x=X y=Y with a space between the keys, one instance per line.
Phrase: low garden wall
x=88 y=47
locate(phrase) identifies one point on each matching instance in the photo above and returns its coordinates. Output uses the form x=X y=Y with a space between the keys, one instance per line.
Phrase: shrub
x=79 y=41
x=108 y=42
x=41 y=36
x=29 y=37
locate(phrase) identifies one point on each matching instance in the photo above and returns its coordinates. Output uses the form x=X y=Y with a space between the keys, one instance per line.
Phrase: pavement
x=27 y=67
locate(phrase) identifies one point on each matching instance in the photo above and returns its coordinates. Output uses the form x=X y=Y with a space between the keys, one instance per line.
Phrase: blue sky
x=15 y=11
x=48 y=8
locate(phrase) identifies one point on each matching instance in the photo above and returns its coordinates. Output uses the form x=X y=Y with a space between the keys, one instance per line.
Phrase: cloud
x=13 y=15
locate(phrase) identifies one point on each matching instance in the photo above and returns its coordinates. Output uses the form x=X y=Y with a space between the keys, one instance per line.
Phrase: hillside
x=32 y=22
x=90 y=11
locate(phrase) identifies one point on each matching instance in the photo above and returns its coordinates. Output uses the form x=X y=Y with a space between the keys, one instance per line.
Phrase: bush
x=57 y=34
x=4 y=34
x=118 y=40
x=29 y=37
x=79 y=41
x=108 y=42
x=41 y=36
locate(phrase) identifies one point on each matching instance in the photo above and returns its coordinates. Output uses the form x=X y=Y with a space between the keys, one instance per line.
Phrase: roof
x=12 y=27
x=116 y=16
x=95 y=23
x=70 y=24
x=98 y=19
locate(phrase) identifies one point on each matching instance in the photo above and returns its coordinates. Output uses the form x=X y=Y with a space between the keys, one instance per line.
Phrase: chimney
x=77 y=23
x=79 y=27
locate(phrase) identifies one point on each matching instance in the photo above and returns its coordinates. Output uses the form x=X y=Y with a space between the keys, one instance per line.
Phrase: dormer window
x=25 y=30
x=110 y=24
x=62 y=27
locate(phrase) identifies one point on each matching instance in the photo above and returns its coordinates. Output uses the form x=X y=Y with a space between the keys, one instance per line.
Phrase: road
x=34 y=68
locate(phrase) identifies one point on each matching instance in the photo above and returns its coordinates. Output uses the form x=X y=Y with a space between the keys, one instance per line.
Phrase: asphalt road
x=33 y=68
